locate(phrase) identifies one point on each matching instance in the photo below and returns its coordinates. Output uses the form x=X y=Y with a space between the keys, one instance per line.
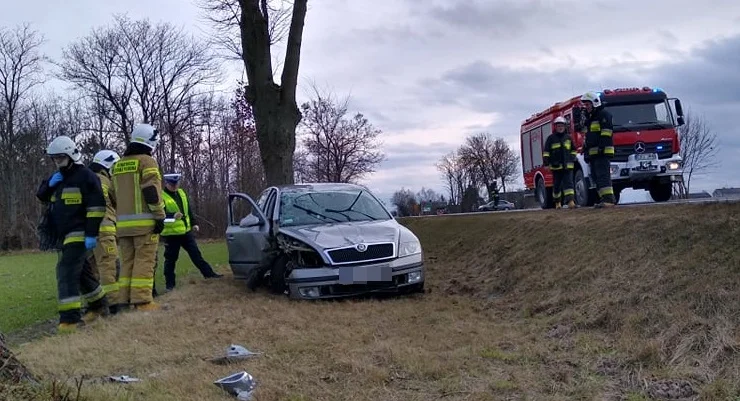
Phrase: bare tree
x=224 y=16
x=490 y=160
x=338 y=148
x=456 y=175
x=505 y=163
x=20 y=72
x=428 y=195
x=405 y=202
x=134 y=71
x=275 y=109
x=698 y=151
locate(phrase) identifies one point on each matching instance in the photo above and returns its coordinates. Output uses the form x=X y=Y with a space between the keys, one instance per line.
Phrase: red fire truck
x=646 y=144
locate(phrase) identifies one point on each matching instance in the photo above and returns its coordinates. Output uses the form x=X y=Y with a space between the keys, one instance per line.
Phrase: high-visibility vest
x=181 y=226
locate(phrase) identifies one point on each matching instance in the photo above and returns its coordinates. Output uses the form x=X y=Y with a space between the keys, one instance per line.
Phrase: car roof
x=320 y=186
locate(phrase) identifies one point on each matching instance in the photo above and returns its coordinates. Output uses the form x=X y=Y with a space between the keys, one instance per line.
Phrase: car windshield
x=335 y=206
x=646 y=116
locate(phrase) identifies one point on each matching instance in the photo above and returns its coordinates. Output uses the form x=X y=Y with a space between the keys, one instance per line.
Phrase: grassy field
x=625 y=304
x=28 y=284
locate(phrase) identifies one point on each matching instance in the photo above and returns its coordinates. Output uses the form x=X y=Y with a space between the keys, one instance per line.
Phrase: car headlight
x=613 y=169
x=673 y=165
x=409 y=248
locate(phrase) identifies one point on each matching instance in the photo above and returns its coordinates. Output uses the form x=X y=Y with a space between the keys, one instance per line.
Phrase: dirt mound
x=659 y=284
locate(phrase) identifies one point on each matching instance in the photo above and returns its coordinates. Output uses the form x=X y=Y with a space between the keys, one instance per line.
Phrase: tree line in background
x=134 y=71
x=482 y=163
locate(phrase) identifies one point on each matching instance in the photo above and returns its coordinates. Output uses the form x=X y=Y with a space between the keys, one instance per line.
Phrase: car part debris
x=235 y=353
x=239 y=384
x=123 y=379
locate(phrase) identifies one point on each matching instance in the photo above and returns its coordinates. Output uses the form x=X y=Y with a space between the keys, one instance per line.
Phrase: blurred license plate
x=364 y=274
x=646 y=156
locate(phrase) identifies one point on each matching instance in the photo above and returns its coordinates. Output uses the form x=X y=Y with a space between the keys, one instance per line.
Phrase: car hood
x=345 y=234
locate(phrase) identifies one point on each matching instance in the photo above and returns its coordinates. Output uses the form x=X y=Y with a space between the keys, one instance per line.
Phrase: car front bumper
x=336 y=282
x=632 y=170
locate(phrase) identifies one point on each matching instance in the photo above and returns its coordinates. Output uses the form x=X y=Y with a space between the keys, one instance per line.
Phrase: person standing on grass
x=77 y=209
x=105 y=255
x=178 y=231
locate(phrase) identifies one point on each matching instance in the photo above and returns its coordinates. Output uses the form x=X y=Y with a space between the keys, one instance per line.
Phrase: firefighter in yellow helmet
x=140 y=217
x=560 y=156
x=105 y=256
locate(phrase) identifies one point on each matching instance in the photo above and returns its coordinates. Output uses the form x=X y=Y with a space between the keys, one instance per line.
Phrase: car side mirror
x=250 y=221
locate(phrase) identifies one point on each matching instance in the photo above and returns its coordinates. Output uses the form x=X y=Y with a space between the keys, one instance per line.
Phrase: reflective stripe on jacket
x=135 y=176
x=182 y=225
x=558 y=151
x=108 y=225
x=599 y=135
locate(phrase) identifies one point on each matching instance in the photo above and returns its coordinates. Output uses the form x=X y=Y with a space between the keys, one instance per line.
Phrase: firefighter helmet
x=591 y=97
x=560 y=120
x=64 y=145
x=145 y=134
x=106 y=158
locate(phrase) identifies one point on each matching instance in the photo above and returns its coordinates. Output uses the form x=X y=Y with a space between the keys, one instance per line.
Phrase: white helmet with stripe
x=560 y=120
x=64 y=145
x=592 y=97
x=145 y=134
x=106 y=158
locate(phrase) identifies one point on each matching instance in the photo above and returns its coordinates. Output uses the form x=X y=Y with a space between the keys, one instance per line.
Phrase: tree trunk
x=11 y=370
x=276 y=112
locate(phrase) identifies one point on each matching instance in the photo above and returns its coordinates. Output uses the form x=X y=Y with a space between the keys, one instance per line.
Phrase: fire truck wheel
x=544 y=195
x=661 y=192
x=585 y=197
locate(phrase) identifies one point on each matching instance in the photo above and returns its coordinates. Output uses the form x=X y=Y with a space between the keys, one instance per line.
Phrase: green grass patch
x=28 y=291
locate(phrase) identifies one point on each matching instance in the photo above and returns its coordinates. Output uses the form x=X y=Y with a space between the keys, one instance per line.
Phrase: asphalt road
x=634 y=204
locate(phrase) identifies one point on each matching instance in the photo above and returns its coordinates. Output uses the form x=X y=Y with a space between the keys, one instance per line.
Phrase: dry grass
x=522 y=306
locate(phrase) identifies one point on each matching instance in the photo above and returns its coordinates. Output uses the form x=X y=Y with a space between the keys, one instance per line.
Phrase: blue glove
x=90 y=242
x=55 y=179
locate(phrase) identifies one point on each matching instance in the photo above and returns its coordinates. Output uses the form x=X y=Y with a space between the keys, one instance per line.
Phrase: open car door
x=246 y=235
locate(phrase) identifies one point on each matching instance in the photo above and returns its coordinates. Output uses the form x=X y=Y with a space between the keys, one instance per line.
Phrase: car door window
x=261 y=202
x=270 y=205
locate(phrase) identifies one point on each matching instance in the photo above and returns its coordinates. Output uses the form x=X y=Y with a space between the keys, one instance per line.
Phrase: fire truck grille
x=663 y=149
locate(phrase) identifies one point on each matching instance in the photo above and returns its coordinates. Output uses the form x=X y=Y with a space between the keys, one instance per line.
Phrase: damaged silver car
x=325 y=240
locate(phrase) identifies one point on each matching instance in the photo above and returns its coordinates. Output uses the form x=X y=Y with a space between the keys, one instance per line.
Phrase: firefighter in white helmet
x=599 y=147
x=78 y=207
x=105 y=256
x=560 y=156
x=140 y=217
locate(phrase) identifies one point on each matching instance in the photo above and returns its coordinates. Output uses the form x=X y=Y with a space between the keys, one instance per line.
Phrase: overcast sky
x=430 y=75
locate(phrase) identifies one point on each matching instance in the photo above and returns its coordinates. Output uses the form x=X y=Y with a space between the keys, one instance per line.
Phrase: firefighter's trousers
x=105 y=258
x=601 y=173
x=77 y=282
x=562 y=185
x=137 y=268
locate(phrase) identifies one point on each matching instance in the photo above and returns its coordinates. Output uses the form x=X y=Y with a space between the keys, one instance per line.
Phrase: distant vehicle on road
x=322 y=240
x=491 y=206
x=646 y=145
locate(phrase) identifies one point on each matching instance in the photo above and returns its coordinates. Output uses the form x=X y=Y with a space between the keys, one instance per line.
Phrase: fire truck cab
x=646 y=145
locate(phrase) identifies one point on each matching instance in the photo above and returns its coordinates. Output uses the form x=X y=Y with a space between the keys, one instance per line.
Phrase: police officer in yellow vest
x=178 y=231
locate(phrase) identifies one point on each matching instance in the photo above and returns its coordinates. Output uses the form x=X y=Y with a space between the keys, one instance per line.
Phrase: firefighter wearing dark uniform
x=105 y=256
x=178 y=231
x=560 y=156
x=140 y=217
x=599 y=147
x=78 y=207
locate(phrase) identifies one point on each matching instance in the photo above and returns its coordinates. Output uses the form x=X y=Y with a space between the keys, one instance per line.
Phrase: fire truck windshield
x=646 y=116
